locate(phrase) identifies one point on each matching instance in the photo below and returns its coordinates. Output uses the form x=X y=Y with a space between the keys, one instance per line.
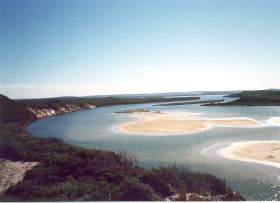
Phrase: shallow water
x=96 y=129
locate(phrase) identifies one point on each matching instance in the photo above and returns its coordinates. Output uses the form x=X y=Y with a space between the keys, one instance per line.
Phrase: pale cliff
x=67 y=108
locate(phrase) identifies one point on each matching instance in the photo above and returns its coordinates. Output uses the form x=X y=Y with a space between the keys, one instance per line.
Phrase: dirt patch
x=11 y=172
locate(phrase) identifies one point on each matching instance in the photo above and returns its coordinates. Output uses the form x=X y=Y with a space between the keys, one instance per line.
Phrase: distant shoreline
x=252 y=98
x=187 y=103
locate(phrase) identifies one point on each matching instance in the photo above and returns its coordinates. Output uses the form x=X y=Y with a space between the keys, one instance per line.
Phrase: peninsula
x=253 y=98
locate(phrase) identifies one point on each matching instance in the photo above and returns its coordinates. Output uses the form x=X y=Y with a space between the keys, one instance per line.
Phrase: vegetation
x=268 y=94
x=187 y=103
x=254 y=98
x=66 y=173
x=133 y=111
x=10 y=111
x=80 y=101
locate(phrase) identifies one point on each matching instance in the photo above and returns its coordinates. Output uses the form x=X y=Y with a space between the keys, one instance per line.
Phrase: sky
x=54 y=48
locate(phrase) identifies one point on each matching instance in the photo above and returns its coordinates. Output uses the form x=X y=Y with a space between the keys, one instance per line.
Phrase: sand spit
x=13 y=172
x=263 y=152
x=154 y=122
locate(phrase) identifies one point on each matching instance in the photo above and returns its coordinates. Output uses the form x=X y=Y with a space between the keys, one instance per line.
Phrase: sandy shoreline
x=274 y=120
x=186 y=123
x=263 y=152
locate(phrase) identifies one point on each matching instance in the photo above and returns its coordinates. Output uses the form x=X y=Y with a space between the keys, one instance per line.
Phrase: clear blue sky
x=86 y=47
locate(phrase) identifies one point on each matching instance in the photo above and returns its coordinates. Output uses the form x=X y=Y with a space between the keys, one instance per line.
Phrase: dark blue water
x=96 y=129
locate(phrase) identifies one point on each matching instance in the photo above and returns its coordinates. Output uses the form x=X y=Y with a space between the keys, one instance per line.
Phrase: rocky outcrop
x=197 y=197
x=67 y=108
x=171 y=198
x=12 y=172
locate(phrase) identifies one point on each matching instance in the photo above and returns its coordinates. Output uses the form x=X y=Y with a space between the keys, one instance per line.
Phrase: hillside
x=253 y=98
x=66 y=173
x=267 y=94
x=80 y=101
x=11 y=111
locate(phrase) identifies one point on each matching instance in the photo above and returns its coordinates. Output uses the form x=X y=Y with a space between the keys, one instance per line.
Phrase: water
x=96 y=129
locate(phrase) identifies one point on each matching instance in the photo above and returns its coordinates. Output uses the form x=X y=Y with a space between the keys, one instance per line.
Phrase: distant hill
x=253 y=98
x=166 y=94
x=101 y=101
x=51 y=98
x=258 y=94
x=274 y=89
x=10 y=111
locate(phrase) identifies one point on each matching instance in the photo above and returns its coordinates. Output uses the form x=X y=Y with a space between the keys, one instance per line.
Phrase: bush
x=133 y=190
x=169 y=180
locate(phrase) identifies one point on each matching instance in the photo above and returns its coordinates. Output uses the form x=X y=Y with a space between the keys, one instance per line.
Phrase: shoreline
x=274 y=121
x=261 y=152
x=188 y=103
x=179 y=123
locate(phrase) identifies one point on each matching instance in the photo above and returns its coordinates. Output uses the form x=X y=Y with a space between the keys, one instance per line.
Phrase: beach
x=274 y=120
x=263 y=152
x=187 y=123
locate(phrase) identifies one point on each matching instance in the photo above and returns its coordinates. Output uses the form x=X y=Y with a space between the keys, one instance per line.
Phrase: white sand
x=263 y=152
x=179 y=123
x=274 y=120
x=12 y=172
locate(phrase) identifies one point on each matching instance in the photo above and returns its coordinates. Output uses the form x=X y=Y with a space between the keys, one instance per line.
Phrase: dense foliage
x=11 y=111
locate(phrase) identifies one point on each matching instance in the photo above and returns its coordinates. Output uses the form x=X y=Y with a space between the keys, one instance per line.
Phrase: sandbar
x=181 y=123
x=263 y=152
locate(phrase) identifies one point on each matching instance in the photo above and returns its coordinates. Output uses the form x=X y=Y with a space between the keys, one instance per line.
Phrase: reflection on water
x=95 y=129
